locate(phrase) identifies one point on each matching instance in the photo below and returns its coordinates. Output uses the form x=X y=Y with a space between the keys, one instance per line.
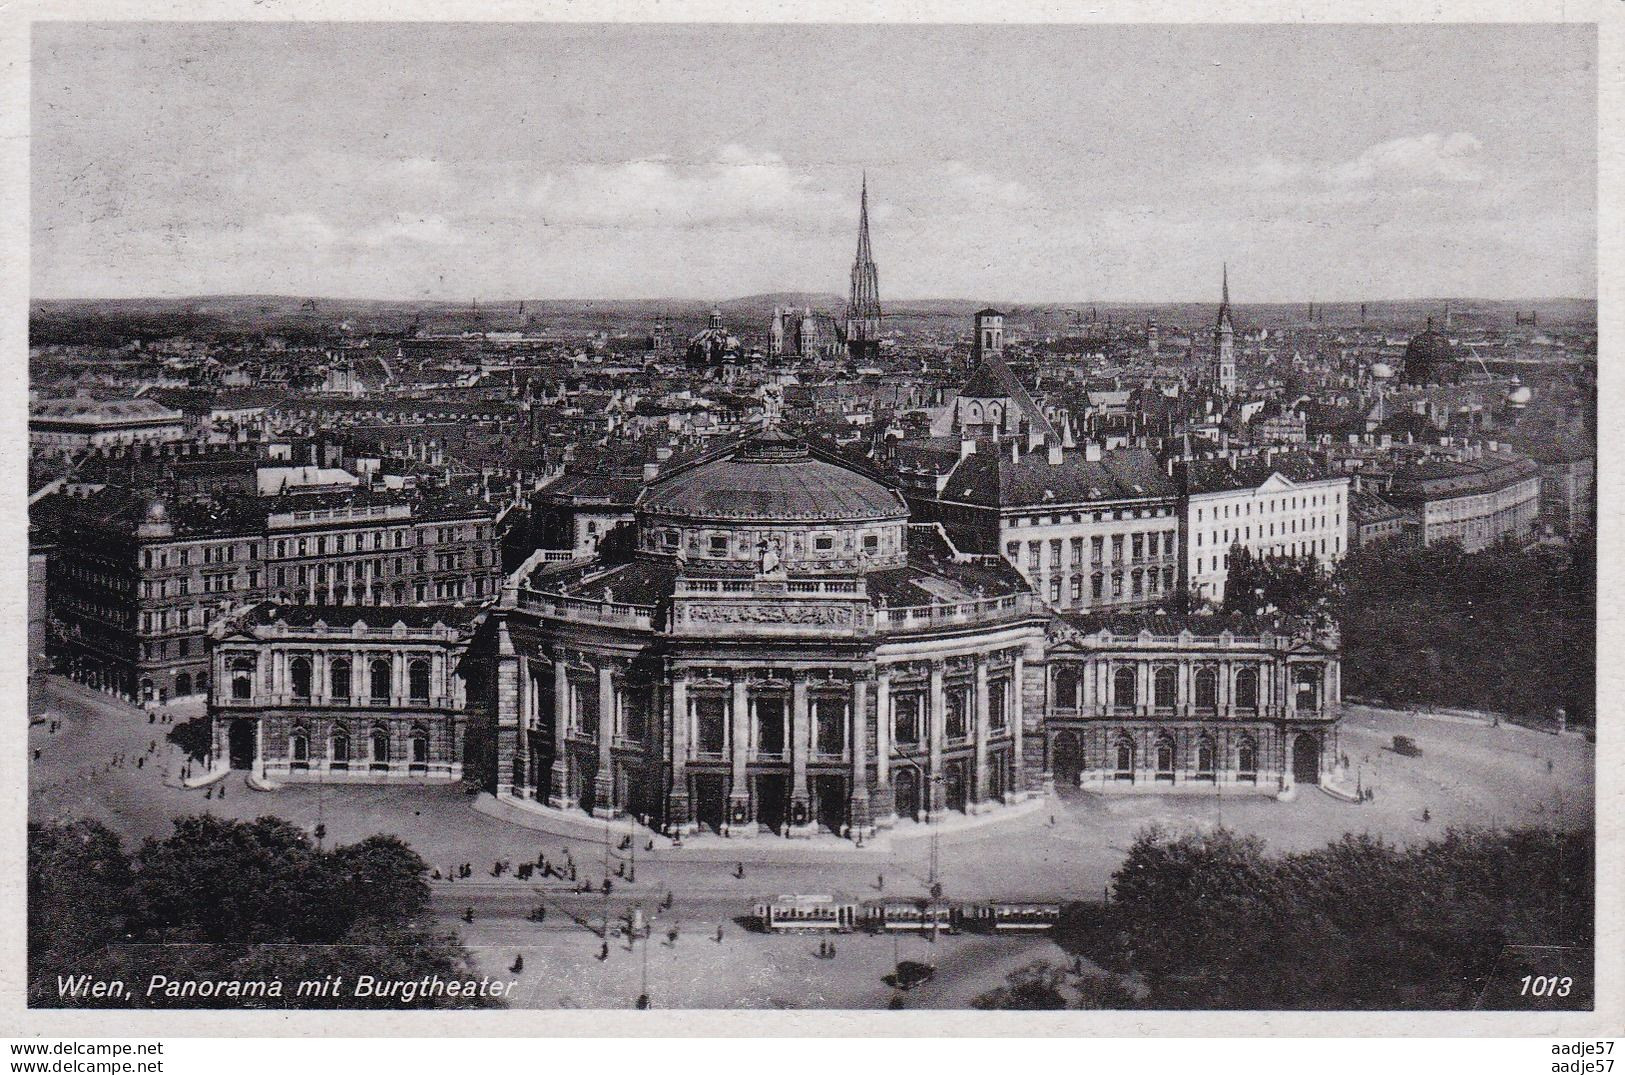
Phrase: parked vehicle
x=1404 y=744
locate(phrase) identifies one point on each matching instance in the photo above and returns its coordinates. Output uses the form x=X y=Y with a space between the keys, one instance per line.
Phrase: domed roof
x=1430 y=358
x=1430 y=345
x=772 y=477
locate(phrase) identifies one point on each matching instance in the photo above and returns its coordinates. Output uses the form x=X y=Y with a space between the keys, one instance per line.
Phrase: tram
x=1009 y=916
x=910 y=916
x=802 y=913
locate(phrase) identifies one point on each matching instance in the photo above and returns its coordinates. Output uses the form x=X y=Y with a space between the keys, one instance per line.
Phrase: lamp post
x=935 y=884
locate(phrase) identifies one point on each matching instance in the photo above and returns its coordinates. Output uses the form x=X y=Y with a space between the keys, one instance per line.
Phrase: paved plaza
x=1468 y=774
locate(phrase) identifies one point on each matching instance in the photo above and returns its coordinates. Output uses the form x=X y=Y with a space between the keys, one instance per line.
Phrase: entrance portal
x=1306 y=759
x=773 y=801
x=241 y=739
x=830 y=791
x=955 y=786
x=906 y=792
x=1067 y=760
x=710 y=801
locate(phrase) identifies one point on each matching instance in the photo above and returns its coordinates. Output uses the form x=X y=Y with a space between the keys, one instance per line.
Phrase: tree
x=78 y=880
x=233 y=901
x=1211 y=921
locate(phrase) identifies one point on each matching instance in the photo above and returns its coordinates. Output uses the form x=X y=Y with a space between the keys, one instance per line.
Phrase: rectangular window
x=906 y=719
x=770 y=726
x=1097 y=549
x=1117 y=548
x=710 y=724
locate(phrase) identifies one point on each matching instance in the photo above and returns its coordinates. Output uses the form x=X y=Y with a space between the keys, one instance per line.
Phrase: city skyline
x=244 y=167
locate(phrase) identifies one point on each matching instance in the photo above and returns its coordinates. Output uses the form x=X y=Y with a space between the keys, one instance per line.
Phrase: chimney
x=650 y=471
x=1091 y=451
x=967 y=447
x=1035 y=440
x=1054 y=455
x=1015 y=451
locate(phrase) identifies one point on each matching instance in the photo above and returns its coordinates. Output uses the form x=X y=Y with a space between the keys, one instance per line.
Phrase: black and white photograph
x=900 y=517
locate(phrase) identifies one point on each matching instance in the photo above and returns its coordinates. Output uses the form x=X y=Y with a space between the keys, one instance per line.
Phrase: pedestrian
x=209 y=794
x=140 y=763
x=541 y=861
x=518 y=965
x=719 y=932
x=651 y=845
x=603 y=953
x=468 y=914
x=572 y=871
x=880 y=881
x=607 y=886
x=739 y=870
x=36 y=753
x=222 y=791
x=671 y=936
x=152 y=718
x=1052 y=821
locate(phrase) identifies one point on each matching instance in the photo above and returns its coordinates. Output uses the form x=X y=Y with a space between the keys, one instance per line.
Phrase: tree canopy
x=1211 y=921
x=229 y=900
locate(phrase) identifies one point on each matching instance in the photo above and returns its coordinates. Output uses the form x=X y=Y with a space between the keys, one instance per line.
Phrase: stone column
x=1018 y=760
x=984 y=720
x=800 y=742
x=858 y=794
x=603 y=785
x=677 y=809
x=740 y=822
x=935 y=791
x=561 y=795
x=884 y=809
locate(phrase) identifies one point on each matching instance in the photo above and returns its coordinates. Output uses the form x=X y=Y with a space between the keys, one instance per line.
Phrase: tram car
x=1009 y=916
x=909 y=916
x=803 y=914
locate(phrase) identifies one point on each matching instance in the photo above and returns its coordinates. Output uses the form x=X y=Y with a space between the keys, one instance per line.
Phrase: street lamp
x=935 y=884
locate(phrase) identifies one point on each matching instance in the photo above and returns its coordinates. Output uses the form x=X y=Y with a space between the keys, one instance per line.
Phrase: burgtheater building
x=1171 y=702
x=783 y=652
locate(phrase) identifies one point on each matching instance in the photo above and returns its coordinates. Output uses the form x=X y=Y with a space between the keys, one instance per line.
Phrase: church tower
x=863 y=305
x=1224 y=345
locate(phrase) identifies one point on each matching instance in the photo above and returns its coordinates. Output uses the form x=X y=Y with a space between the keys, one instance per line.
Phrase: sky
x=1009 y=163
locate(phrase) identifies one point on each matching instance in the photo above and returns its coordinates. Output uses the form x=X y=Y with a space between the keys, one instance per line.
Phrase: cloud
x=1424 y=158
x=736 y=186
x=1416 y=163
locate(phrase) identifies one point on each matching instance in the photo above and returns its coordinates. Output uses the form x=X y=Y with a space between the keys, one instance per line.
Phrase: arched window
x=1167 y=685
x=1205 y=759
x=341 y=748
x=973 y=414
x=299 y=749
x=995 y=413
x=1125 y=759
x=1123 y=688
x=1247 y=689
x=299 y=674
x=417 y=680
x=183 y=685
x=242 y=678
x=379 y=679
x=1247 y=760
x=380 y=747
x=1165 y=758
x=1306 y=687
x=338 y=678
x=420 y=748
x=1207 y=689
x=1066 y=687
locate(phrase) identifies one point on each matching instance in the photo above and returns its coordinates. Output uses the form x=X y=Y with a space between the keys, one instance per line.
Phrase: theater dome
x=772 y=493
x=772 y=478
